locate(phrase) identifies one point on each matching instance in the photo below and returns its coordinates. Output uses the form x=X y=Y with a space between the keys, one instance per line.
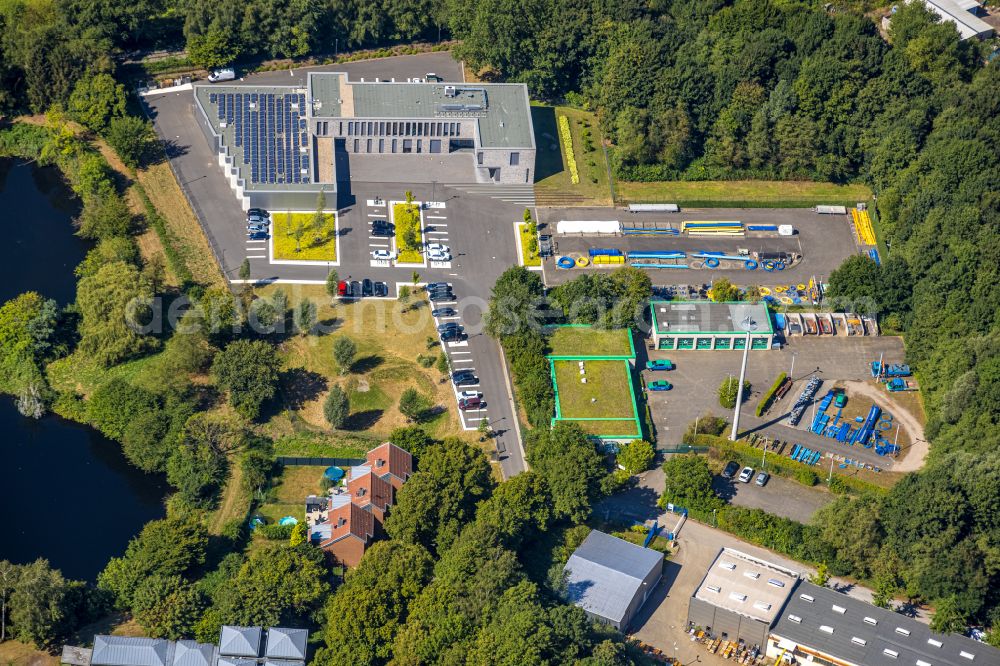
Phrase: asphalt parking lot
x=698 y=374
x=824 y=241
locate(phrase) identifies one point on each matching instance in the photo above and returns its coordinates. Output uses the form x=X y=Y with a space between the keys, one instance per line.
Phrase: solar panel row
x=271 y=130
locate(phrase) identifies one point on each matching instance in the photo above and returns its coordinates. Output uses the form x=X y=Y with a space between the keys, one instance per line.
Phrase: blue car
x=257 y=235
x=659 y=385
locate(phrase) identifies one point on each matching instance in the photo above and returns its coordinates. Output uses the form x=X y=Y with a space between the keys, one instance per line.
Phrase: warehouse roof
x=839 y=626
x=746 y=585
x=707 y=317
x=130 y=651
x=605 y=573
x=968 y=24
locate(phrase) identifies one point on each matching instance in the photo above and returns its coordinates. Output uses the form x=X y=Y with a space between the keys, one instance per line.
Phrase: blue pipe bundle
x=873 y=253
x=842 y=432
x=656 y=254
x=869 y=426
x=762 y=227
x=605 y=252
x=639 y=264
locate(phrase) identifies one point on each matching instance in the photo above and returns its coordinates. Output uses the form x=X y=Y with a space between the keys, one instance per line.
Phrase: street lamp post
x=791 y=371
x=749 y=325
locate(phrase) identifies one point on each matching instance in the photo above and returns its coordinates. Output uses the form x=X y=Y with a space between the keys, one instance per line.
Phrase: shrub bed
x=765 y=401
x=566 y=139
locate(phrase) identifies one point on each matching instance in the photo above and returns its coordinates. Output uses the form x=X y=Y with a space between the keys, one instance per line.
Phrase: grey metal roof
x=605 y=573
x=860 y=633
x=502 y=110
x=284 y=662
x=193 y=653
x=286 y=643
x=706 y=317
x=130 y=651
x=240 y=641
x=236 y=661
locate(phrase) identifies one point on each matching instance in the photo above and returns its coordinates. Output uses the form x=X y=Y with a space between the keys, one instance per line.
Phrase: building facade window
x=479 y=158
x=515 y=159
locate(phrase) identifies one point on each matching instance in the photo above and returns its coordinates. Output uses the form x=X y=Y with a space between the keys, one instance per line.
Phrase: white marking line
x=435 y=217
x=256 y=256
x=379 y=244
x=376 y=215
x=463 y=360
x=381 y=238
x=443 y=303
x=438 y=224
x=449 y=318
x=456 y=353
x=437 y=233
x=465 y=387
x=380 y=263
x=256 y=241
x=475 y=411
x=440 y=264
x=477 y=418
x=464 y=343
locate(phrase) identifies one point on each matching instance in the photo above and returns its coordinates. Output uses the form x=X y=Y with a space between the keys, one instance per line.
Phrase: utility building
x=740 y=596
x=710 y=326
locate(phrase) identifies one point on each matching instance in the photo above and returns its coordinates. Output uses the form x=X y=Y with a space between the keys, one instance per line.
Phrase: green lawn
x=605 y=395
x=609 y=428
x=405 y=216
x=552 y=179
x=743 y=193
x=527 y=256
x=312 y=246
x=586 y=341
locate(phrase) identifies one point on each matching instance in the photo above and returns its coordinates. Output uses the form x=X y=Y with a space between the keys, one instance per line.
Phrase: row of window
x=397 y=145
x=398 y=128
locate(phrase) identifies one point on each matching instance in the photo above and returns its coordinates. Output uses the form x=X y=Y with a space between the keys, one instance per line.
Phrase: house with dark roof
x=610 y=578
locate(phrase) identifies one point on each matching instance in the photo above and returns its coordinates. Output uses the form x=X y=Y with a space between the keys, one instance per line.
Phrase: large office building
x=746 y=599
x=279 y=145
x=705 y=325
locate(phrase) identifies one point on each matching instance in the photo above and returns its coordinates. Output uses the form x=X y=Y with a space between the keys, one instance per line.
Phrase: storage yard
x=748 y=246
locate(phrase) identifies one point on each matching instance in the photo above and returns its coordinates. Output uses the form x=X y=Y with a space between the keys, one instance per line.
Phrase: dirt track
x=914 y=457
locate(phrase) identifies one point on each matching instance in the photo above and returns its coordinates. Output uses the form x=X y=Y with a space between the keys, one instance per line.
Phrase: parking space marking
x=383 y=245
x=449 y=318
x=463 y=360
x=250 y=242
x=456 y=353
x=435 y=217
x=256 y=256
x=463 y=343
x=440 y=264
x=380 y=263
x=437 y=233
x=376 y=214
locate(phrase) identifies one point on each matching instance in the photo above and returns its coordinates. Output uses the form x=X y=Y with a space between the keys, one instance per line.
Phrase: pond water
x=66 y=492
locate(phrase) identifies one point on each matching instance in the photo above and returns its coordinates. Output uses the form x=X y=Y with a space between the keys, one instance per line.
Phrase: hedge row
x=765 y=401
x=566 y=138
x=174 y=260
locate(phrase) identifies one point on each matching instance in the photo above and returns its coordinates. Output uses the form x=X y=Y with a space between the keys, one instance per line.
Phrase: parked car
x=437 y=255
x=381 y=255
x=355 y=289
x=438 y=247
x=440 y=290
x=443 y=312
x=439 y=296
x=469 y=403
x=367 y=287
x=469 y=394
x=431 y=286
x=342 y=288
x=381 y=289
x=260 y=212
x=452 y=335
x=257 y=235
x=383 y=228
x=659 y=385
x=450 y=326
x=462 y=374
x=225 y=74
x=746 y=474
x=256 y=229
x=660 y=364
x=730 y=469
x=258 y=219
x=762 y=479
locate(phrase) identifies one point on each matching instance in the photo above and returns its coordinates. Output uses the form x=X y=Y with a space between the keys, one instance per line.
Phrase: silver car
x=746 y=474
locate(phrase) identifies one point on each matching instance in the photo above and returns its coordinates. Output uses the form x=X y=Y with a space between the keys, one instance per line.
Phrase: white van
x=226 y=74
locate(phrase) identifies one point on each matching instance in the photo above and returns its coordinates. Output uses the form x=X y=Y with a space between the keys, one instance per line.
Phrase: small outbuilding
x=610 y=578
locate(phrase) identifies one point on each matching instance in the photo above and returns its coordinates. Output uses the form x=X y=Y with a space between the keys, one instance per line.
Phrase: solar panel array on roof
x=270 y=128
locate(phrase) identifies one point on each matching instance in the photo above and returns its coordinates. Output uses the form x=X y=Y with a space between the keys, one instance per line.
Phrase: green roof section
x=326 y=91
x=579 y=341
x=591 y=371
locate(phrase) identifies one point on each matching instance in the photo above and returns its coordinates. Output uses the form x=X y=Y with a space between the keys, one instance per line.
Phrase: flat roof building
x=277 y=144
x=610 y=578
x=710 y=326
x=740 y=596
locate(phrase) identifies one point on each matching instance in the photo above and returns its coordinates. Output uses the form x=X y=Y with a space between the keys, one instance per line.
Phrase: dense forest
x=690 y=89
